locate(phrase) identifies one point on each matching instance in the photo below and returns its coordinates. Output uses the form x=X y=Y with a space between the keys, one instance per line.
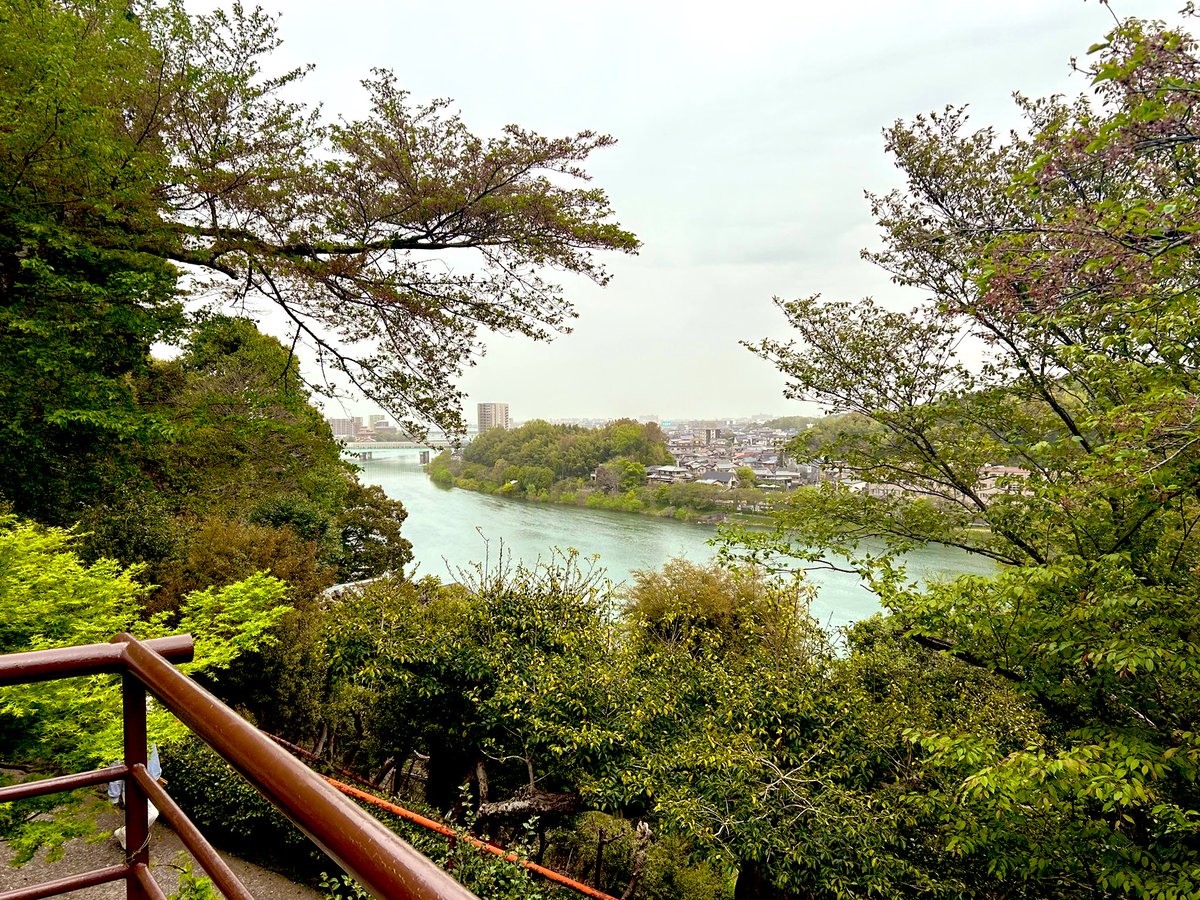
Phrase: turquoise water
x=452 y=529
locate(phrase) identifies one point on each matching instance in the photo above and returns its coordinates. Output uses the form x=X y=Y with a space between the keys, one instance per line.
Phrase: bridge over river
x=369 y=449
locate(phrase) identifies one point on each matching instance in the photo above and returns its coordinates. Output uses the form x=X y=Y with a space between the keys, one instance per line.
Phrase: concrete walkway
x=165 y=850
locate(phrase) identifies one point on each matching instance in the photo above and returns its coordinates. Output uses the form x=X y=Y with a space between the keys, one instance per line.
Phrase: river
x=452 y=529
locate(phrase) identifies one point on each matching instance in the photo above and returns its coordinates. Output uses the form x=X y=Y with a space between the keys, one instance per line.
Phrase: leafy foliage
x=467 y=674
x=145 y=132
x=568 y=451
x=791 y=423
x=48 y=598
x=603 y=468
x=1068 y=253
x=191 y=885
x=245 y=476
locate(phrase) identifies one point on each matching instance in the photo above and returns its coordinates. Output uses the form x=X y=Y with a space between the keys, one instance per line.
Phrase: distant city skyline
x=348 y=424
x=363 y=409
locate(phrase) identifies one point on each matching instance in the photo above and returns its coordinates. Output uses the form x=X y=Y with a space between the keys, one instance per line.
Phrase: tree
x=500 y=681
x=242 y=476
x=143 y=136
x=79 y=307
x=620 y=476
x=240 y=428
x=538 y=453
x=1070 y=253
x=791 y=423
x=48 y=599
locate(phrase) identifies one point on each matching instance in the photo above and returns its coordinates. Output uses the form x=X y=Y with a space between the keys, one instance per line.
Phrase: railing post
x=137 y=832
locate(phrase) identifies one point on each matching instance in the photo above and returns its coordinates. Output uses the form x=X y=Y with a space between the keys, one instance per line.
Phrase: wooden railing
x=379 y=859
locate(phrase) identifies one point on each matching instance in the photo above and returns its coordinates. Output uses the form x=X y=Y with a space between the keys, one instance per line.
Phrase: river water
x=452 y=529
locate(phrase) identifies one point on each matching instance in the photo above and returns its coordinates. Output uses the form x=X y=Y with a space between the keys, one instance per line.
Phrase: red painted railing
x=380 y=860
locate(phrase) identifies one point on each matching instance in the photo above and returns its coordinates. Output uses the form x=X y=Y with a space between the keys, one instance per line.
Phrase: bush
x=667 y=873
x=221 y=551
x=232 y=814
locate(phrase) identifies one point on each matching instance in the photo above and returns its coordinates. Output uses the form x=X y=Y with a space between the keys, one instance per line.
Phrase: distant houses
x=668 y=474
x=991 y=481
x=713 y=453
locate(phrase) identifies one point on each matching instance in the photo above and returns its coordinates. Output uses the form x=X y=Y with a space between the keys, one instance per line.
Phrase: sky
x=746 y=138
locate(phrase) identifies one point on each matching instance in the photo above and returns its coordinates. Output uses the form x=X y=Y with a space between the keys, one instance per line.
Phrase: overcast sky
x=746 y=137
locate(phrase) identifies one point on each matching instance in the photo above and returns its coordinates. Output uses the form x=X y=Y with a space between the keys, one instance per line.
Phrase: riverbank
x=453 y=531
x=692 y=503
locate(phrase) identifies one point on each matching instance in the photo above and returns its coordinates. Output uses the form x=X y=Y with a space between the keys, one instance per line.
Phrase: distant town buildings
x=346 y=428
x=715 y=452
x=492 y=415
x=375 y=428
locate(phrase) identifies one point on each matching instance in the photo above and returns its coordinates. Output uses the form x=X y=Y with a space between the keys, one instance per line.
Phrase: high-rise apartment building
x=346 y=428
x=492 y=415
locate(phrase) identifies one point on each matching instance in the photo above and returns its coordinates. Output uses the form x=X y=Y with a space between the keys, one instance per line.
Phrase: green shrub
x=192 y=886
x=232 y=814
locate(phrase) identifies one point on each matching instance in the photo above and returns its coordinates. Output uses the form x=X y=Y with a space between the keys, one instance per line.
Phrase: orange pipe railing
x=433 y=825
x=426 y=822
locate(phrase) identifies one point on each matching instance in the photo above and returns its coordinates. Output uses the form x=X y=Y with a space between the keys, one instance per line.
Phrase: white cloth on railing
x=116 y=788
x=151 y=818
x=116 y=793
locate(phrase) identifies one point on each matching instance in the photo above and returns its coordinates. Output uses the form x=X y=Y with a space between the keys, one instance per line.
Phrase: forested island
x=696 y=735
x=599 y=468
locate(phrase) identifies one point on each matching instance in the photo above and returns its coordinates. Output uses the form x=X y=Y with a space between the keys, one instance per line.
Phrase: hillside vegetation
x=695 y=734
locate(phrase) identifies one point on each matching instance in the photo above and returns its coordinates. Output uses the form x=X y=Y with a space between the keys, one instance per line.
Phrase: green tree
x=791 y=423
x=244 y=476
x=722 y=668
x=49 y=598
x=617 y=454
x=142 y=134
x=620 y=476
x=79 y=306
x=633 y=476
x=241 y=428
x=489 y=679
x=1068 y=251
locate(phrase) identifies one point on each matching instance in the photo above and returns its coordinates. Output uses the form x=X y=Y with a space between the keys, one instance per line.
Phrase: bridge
x=368 y=449
x=430 y=444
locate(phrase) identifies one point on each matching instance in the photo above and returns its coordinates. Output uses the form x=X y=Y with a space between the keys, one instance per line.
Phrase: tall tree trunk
x=481 y=781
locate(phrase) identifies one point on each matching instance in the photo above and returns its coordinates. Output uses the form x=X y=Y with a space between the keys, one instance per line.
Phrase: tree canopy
x=49 y=598
x=569 y=451
x=1068 y=456
x=140 y=142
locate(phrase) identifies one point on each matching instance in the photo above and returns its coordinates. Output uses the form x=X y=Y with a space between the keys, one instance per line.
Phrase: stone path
x=165 y=850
